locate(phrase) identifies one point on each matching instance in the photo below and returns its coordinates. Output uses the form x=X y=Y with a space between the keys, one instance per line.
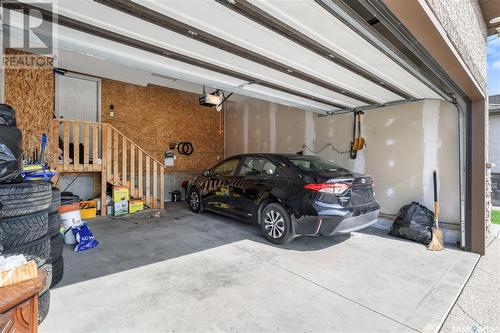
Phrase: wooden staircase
x=112 y=154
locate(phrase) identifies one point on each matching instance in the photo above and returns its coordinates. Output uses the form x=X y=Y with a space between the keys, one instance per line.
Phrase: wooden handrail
x=139 y=148
x=104 y=157
x=116 y=130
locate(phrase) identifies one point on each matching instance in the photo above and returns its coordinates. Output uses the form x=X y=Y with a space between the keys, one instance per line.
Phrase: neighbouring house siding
x=153 y=116
x=494 y=147
x=464 y=24
x=405 y=144
x=31 y=92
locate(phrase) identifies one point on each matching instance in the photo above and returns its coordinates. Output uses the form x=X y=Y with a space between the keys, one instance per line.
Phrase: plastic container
x=88 y=213
x=69 y=237
x=88 y=209
x=70 y=217
x=64 y=208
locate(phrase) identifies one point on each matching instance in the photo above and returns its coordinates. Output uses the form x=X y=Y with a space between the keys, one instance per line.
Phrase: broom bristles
x=437 y=243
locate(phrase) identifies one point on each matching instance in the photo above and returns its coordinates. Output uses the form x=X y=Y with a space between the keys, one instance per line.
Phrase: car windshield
x=314 y=164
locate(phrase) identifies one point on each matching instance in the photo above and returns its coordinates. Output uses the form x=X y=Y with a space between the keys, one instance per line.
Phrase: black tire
x=276 y=224
x=69 y=198
x=56 y=200
x=54 y=225
x=43 y=306
x=24 y=198
x=56 y=247
x=194 y=201
x=48 y=281
x=57 y=271
x=21 y=230
x=38 y=250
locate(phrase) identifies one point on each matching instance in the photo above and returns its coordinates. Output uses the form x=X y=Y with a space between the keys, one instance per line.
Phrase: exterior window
x=257 y=166
x=226 y=169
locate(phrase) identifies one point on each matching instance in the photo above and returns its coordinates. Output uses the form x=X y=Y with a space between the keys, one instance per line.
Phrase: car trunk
x=360 y=189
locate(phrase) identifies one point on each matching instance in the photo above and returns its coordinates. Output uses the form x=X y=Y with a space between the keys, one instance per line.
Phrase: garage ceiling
x=291 y=52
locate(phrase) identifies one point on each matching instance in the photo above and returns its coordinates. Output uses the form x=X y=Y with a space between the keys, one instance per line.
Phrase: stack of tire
x=29 y=225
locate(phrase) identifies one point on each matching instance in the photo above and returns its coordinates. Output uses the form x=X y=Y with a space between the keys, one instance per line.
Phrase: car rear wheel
x=276 y=224
x=195 y=201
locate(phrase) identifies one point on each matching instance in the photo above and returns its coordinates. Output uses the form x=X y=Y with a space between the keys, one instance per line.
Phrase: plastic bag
x=84 y=238
x=11 y=154
x=414 y=222
x=7 y=115
x=37 y=172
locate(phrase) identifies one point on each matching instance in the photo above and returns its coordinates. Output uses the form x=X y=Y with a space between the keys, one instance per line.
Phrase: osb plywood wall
x=31 y=92
x=155 y=116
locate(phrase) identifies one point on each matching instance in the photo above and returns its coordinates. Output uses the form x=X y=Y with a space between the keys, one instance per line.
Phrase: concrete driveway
x=187 y=272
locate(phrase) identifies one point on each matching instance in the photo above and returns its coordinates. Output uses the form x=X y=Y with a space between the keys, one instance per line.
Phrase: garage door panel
x=246 y=33
x=311 y=19
x=155 y=35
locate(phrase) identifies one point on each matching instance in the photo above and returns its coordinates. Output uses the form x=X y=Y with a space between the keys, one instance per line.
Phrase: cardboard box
x=120 y=193
x=120 y=208
x=19 y=274
x=135 y=205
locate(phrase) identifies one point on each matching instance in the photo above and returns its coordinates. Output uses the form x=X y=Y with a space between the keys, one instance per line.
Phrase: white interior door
x=77 y=98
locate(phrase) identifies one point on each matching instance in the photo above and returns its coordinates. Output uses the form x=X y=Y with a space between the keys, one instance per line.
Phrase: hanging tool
x=353 y=153
x=44 y=144
x=359 y=142
x=437 y=243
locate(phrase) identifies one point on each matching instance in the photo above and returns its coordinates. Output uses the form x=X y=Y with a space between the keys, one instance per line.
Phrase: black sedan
x=286 y=195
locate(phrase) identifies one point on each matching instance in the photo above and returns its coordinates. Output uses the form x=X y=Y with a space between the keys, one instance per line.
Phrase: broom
x=436 y=243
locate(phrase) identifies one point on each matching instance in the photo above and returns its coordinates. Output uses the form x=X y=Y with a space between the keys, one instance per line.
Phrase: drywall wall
x=405 y=144
x=30 y=90
x=259 y=126
x=154 y=116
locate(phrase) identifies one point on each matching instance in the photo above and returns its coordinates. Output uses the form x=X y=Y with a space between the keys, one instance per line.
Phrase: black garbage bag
x=11 y=153
x=414 y=222
x=7 y=115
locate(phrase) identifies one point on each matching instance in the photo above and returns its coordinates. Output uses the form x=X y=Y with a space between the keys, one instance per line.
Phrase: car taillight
x=333 y=188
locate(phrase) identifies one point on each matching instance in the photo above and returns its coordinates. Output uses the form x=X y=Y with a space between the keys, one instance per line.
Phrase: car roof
x=271 y=155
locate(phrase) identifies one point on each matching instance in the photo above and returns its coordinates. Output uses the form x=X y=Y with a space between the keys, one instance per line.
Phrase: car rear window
x=314 y=164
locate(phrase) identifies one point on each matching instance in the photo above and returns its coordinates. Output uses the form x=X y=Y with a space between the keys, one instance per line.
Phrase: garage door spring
x=335 y=149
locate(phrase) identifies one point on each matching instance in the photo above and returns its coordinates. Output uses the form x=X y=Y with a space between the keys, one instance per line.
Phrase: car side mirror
x=206 y=173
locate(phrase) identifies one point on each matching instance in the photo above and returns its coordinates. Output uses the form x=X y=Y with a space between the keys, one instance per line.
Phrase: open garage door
x=321 y=56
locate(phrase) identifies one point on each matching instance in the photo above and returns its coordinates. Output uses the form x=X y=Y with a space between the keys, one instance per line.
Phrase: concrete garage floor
x=188 y=272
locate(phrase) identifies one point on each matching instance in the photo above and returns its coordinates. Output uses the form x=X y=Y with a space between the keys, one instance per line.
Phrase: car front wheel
x=276 y=224
x=195 y=201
